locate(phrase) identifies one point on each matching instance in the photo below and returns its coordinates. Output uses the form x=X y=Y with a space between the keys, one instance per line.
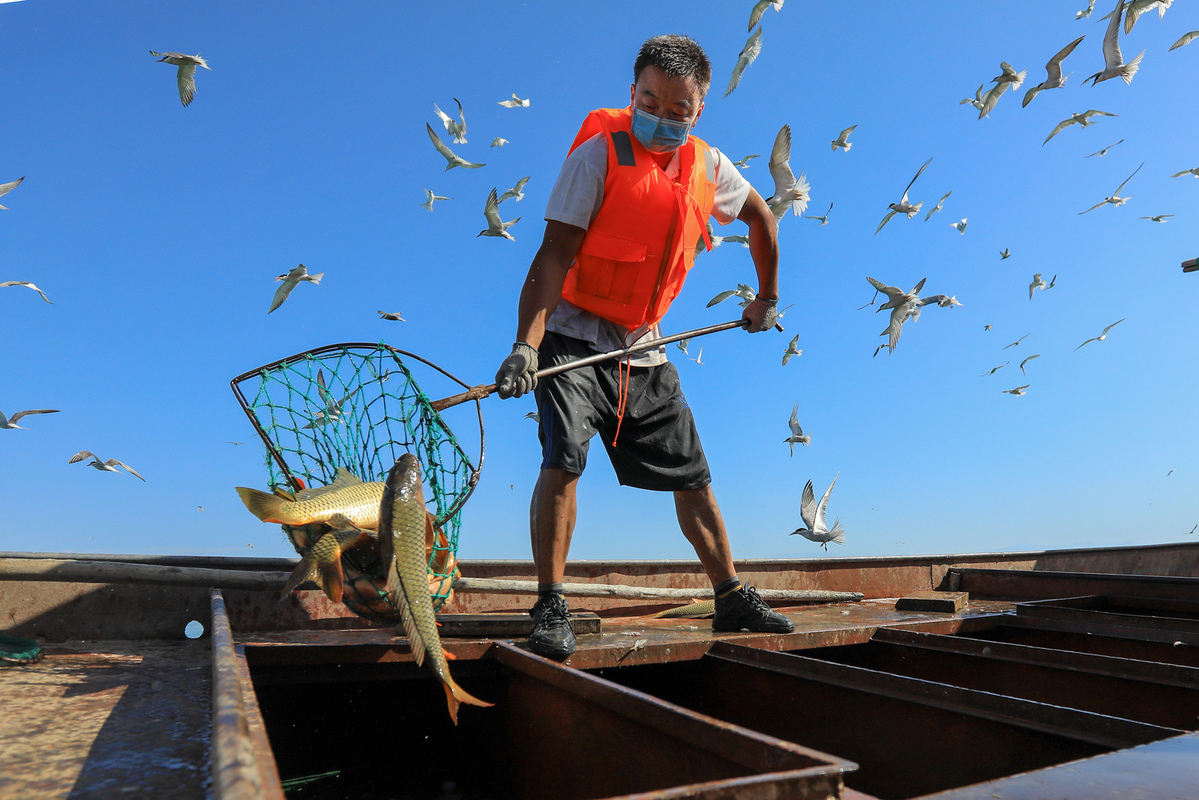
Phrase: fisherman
x=623 y=224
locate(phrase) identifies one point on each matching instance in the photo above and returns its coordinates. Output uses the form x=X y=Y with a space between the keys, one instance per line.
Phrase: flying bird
x=1086 y=12
x=791 y=350
x=960 y=226
x=937 y=207
x=453 y=159
x=390 y=317
x=789 y=191
x=899 y=315
x=1113 y=59
x=498 y=141
x=517 y=192
x=995 y=369
x=735 y=238
x=1005 y=253
x=26 y=284
x=5 y=188
x=744 y=163
x=1054 y=70
x=815 y=528
x=515 y=102
x=753 y=46
x=533 y=415
x=746 y=293
x=1015 y=343
x=186 y=77
x=1186 y=39
x=1115 y=198
x=1159 y=217
x=682 y=345
x=698 y=358
x=1025 y=361
x=1103 y=152
x=942 y=301
x=1133 y=9
x=1052 y=282
x=496 y=227
x=1194 y=172
x=1083 y=119
x=290 y=281
x=1018 y=391
x=1009 y=75
x=1037 y=283
x=332 y=410
x=104 y=466
x=842 y=139
x=896 y=297
x=10 y=423
x=431 y=198
x=986 y=103
x=455 y=129
x=903 y=206
x=797 y=435
x=760 y=8
x=824 y=219
x=1103 y=336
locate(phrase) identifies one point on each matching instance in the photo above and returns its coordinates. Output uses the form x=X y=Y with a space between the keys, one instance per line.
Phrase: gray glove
x=517 y=375
x=762 y=315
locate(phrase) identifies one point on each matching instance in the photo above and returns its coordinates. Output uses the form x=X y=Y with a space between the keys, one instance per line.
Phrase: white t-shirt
x=575 y=200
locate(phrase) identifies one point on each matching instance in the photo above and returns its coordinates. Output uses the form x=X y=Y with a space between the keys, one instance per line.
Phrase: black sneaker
x=743 y=610
x=553 y=636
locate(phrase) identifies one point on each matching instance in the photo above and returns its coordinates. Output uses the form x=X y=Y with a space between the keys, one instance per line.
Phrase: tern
x=937 y=207
x=699 y=358
x=896 y=297
x=1103 y=336
x=903 y=206
x=5 y=188
x=1103 y=152
x=515 y=102
x=517 y=192
x=746 y=293
x=682 y=345
x=387 y=315
x=1113 y=59
x=942 y=301
x=1025 y=361
x=753 y=46
x=1054 y=70
x=1005 y=253
x=1194 y=172
x=1018 y=391
x=797 y=435
x=1133 y=9
x=744 y=163
x=431 y=198
x=1159 y=217
x=1086 y=12
x=1083 y=119
x=449 y=155
x=736 y=238
x=824 y=219
x=186 y=76
x=842 y=139
x=498 y=141
x=10 y=423
x=1016 y=343
x=496 y=227
x=104 y=466
x=1009 y=75
x=986 y=103
x=290 y=281
x=1052 y=282
x=815 y=529
x=791 y=350
x=1115 y=198
x=533 y=415
x=1186 y=39
x=789 y=191
x=960 y=226
x=760 y=8
x=1037 y=283
x=332 y=410
x=455 y=129
x=993 y=370
x=26 y=284
x=899 y=315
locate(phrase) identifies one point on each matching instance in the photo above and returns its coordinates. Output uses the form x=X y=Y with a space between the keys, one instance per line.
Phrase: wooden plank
x=501 y=586
x=948 y=602
x=503 y=626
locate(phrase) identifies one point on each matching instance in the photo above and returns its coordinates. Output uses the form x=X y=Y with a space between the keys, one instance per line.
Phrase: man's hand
x=761 y=314
x=517 y=375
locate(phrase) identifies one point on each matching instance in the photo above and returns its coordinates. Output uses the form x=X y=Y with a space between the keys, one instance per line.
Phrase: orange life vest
x=638 y=249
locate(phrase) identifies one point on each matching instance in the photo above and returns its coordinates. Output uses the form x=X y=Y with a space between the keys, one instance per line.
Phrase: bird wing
x=1133 y=11
x=491 y=210
x=756 y=13
x=978 y=96
x=1175 y=175
x=904 y=199
x=780 y=156
x=445 y=118
x=520 y=184
x=20 y=414
x=281 y=294
x=441 y=146
x=1054 y=66
x=187 y=82
x=793 y=423
x=753 y=46
x=5 y=188
x=823 y=507
x=81 y=455
x=807 y=506
x=886 y=219
x=916 y=289
x=1092 y=208
x=1030 y=94
x=1126 y=180
x=720 y=298
x=937 y=207
x=991 y=98
x=1061 y=126
x=1094 y=112
x=892 y=292
x=844 y=136
x=1112 y=57
x=1186 y=39
x=899 y=315
x=1088 y=341
x=113 y=462
x=28 y=285
x=1105 y=330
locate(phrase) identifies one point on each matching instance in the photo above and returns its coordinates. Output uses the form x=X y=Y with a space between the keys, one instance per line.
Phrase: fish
x=403 y=527
x=322 y=562
x=347 y=496
x=700 y=608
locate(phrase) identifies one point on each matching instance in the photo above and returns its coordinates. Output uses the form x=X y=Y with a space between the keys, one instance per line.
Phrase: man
x=623 y=224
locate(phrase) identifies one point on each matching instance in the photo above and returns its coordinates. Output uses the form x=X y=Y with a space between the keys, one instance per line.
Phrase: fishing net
x=358 y=407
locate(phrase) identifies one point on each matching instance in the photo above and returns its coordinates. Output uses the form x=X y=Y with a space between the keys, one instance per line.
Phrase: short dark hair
x=676 y=55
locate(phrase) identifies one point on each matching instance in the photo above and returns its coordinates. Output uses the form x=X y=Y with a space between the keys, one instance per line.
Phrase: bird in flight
x=791 y=350
x=797 y=435
x=746 y=293
x=517 y=192
x=744 y=163
x=1083 y=119
x=26 y=284
x=10 y=423
x=897 y=297
x=903 y=206
x=824 y=219
x=760 y=8
x=397 y=317
x=104 y=466
x=186 y=76
x=942 y=300
x=1133 y=9
x=789 y=191
x=452 y=158
x=1037 y=283
x=698 y=358
x=1009 y=75
x=937 y=207
x=290 y=281
x=1086 y=12
x=495 y=226
x=1025 y=361
x=1103 y=336
x=993 y=370
x=1103 y=152
x=960 y=225
x=455 y=129
x=498 y=141
x=1113 y=59
x=842 y=139
x=515 y=102
x=1005 y=253
x=1018 y=391
x=431 y=198
x=1017 y=342
x=1115 y=198
x=753 y=46
x=1194 y=172
x=5 y=188
x=1186 y=39
x=1054 y=70
x=815 y=528
x=1159 y=217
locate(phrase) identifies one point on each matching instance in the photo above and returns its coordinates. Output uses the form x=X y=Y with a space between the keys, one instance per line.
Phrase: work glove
x=761 y=314
x=517 y=375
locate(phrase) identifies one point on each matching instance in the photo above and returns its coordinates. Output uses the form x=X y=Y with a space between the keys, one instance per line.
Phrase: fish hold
x=403 y=523
x=347 y=496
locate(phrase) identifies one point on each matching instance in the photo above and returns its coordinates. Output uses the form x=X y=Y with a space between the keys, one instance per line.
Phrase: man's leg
x=552 y=514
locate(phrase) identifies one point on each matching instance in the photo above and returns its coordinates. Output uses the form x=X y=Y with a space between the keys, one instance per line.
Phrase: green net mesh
x=358 y=407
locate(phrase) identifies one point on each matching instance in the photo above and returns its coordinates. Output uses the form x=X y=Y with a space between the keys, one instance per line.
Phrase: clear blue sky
x=157 y=231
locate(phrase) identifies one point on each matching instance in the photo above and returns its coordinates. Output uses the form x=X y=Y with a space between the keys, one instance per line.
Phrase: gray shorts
x=657 y=448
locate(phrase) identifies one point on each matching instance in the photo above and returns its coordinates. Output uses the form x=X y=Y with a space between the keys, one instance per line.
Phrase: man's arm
x=543 y=285
x=763 y=243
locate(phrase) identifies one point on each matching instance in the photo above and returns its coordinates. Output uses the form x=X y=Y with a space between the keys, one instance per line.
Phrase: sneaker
x=743 y=610
x=553 y=636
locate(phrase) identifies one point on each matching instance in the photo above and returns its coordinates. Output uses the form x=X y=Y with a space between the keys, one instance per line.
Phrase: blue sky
x=157 y=231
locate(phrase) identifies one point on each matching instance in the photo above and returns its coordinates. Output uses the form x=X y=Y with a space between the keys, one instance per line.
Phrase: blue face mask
x=659 y=135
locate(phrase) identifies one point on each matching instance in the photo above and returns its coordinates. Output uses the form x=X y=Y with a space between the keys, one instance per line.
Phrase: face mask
x=659 y=135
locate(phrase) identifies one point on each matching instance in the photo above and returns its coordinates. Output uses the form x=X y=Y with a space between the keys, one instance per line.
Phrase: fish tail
x=332 y=579
x=301 y=573
x=267 y=507
x=455 y=695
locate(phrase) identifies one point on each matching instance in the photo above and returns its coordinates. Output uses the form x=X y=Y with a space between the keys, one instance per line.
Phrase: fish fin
x=267 y=507
x=344 y=478
x=449 y=656
x=301 y=573
x=455 y=695
x=395 y=590
x=430 y=534
x=279 y=491
x=332 y=579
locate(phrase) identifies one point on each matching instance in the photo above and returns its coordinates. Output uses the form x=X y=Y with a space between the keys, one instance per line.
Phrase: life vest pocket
x=607 y=266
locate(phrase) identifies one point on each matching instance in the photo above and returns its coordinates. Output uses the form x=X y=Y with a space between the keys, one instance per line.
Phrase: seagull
x=1005 y=253
x=517 y=192
x=1015 y=343
x=760 y=8
x=1159 y=217
x=1186 y=39
x=903 y=206
x=1018 y=391
x=698 y=358
x=815 y=529
x=390 y=317
x=1103 y=152
x=896 y=297
x=753 y=46
x=430 y=198
x=797 y=435
x=1086 y=12
x=1083 y=119
x=746 y=293
x=1054 y=70
x=1114 y=66
x=1135 y=8
x=744 y=163
x=5 y=188
x=1194 y=172
x=515 y=102
x=960 y=226
x=1037 y=283
x=1010 y=75
x=937 y=207
x=1025 y=361
x=10 y=423
x=791 y=351
x=186 y=76
x=455 y=129
x=498 y=141
x=824 y=219
x=942 y=300
x=1115 y=198
x=104 y=466
x=495 y=227
x=290 y=281
x=449 y=155
x=842 y=139
x=789 y=191
x=995 y=369
x=25 y=283
x=1103 y=336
